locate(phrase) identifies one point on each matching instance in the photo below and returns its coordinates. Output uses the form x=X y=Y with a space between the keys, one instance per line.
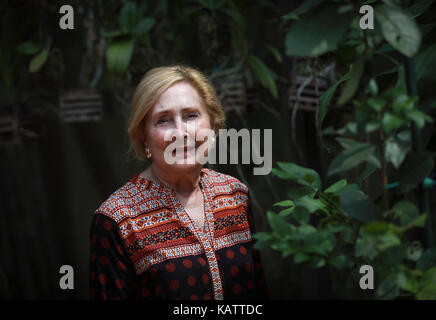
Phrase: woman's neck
x=183 y=182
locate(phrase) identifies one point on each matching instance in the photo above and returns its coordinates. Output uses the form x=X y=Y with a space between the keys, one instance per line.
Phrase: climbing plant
x=327 y=219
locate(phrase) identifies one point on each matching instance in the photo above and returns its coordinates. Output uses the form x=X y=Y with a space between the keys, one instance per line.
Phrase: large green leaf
x=418 y=7
x=337 y=186
x=391 y=122
x=350 y=158
x=353 y=82
x=144 y=26
x=376 y=237
x=38 y=61
x=128 y=17
x=425 y=67
x=317 y=32
x=427 y=259
x=301 y=175
x=359 y=206
x=399 y=29
x=118 y=55
x=310 y=204
x=428 y=285
x=405 y=211
x=264 y=74
x=303 y=8
x=388 y=288
x=369 y=170
x=278 y=224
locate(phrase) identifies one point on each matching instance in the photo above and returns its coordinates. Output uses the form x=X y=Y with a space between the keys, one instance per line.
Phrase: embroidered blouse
x=145 y=246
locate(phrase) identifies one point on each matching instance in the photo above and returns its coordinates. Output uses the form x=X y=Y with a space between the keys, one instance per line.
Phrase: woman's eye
x=192 y=115
x=162 y=120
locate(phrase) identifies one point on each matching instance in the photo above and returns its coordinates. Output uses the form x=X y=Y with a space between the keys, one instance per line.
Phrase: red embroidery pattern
x=156 y=228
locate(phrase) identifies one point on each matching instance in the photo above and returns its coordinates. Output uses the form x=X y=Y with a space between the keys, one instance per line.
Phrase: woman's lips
x=185 y=150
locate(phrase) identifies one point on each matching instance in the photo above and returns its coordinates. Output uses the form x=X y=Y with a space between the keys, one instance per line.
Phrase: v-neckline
x=202 y=234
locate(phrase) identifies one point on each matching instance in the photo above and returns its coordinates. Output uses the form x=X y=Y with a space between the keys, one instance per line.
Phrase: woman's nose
x=181 y=128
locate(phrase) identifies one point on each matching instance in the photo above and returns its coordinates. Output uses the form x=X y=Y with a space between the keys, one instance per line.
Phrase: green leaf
x=301 y=175
x=264 y=74
x=395 y=152
x=310 y=204
x=303 y=8
x=388 y=288
x=399 y=29
x=309 y=37
x=128 y=17
x=285 y=203
x=369 y=169
x=425 y=69
x=301 y=257
x=28 y=47
x=359 y=206
x=414 y=251
x=276 y=54
x=427 y=293
x=350 y=158
x=429 y=276
x=347 y=142
x=405 y=211
x=118 y=55
x=38 y=61
x=372 y=126
x=417 y=222
x=372 y=87
x=286 y=212
x=300 y=192
x=278 y=224
x=339 y=262
x=407 y=281
x=144 y=26
x=353 y=82
x=427 y=259
x=419 y=117
x=391 y=122
x=377 y=103
x=337 y=186
x=325 y=98
x=418 y=7
x=428 y=285
x=301 y=215
x=371 y=242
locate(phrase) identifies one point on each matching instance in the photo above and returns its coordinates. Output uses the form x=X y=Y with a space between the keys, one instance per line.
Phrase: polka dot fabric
x=219 y=263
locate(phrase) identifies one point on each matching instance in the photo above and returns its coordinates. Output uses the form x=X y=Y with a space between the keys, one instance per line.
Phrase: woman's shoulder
x=224 y=181
x=122 y=201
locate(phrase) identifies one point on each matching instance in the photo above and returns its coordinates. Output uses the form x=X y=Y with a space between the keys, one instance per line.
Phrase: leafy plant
x=341 y=226
x=132 y=27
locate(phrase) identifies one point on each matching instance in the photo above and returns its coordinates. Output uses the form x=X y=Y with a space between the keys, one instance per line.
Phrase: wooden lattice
x=231 y=90
x=13 y=128
x=81 y=106
x=308 y=98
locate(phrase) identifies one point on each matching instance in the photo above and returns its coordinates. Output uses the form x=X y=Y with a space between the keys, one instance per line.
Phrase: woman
x=175 y=231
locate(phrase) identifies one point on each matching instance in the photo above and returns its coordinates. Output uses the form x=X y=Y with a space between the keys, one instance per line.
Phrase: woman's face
x=180 y=113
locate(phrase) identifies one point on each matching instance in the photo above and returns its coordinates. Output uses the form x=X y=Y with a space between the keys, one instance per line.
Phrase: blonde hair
x=154 y=83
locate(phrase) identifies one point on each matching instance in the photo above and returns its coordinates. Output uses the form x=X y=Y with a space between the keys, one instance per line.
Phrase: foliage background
x=50 y=185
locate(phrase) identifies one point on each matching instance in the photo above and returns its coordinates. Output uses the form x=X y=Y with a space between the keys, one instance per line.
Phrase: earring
x=147 y=152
